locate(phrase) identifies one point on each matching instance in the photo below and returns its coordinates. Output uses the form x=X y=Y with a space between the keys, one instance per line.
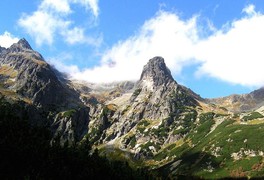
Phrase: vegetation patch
x=93 y=135
x=251 y=116
x=206 y=122
x=7 y=70
x=256 y=121
x=144 y=123
x=133 y=141
x=137 y=92
x=161 y=131
x=148 y=144
x=68 y=113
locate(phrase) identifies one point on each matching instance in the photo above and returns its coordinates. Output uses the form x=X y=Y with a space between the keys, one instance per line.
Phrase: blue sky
x=213 y=47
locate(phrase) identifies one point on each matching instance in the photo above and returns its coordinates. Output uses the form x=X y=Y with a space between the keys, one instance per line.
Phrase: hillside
x=154 y=123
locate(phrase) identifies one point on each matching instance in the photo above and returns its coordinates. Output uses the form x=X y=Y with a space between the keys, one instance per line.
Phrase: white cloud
x=250 y=10
x=94 y=6
x=7 y=39
x=232 y=53
x=52 y=18
x=165 y=35
x=60 y=6
x=59 y=63
x=77 y=35
x=42 y=26
x=90 y=4
x=235 y=55
x=70 y=69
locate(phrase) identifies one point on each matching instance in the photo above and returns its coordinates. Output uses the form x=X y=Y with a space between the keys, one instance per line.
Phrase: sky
x=213 y=47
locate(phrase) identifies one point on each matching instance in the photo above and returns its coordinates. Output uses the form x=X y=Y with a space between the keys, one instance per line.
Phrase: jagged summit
x=21 y=45
x=25 y=73
x=24 y=43
x=156 y=72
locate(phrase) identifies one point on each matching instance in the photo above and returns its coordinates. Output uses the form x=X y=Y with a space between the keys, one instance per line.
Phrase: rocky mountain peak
x=156 y=73
x=21 y=45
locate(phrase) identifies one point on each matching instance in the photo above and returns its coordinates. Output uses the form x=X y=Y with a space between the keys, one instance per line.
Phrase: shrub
x=137 y=92
x=253 y=115
x=68 y=113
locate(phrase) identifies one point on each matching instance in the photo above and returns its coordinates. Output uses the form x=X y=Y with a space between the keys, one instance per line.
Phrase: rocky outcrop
x=157 y=95
x=155 y=74
x=34 y=78
x=21 y=46
x=26 y=76
x=157 y=102
x=70 y=126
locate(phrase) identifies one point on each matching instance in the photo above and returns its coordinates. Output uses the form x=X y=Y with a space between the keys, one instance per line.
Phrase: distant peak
x=23 y=43
x=156 y=71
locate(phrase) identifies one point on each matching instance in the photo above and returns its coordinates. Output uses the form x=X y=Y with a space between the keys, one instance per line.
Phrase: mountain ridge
x=241 y=102
x=154 y=123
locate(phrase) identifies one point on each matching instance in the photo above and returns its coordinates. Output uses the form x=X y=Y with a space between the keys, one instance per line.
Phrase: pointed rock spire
x=156 y=72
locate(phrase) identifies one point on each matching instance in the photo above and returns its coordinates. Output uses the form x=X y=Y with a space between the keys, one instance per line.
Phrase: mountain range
x=153 y=123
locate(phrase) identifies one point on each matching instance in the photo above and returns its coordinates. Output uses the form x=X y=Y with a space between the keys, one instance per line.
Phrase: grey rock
x=35 y=78
x=156 y=70
x=31 y=79
x=71 y=128
x=157 y=97
x=20 y=46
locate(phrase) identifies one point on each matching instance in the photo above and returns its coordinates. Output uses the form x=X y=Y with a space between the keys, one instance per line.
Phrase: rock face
x=24 y=75
x=158 y=93
x=20 y=46
x=155 y=74
x=33 y=78
x=156 y=102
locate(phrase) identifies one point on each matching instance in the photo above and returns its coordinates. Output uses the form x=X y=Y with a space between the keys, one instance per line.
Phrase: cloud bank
x=165 y=35
x=232 y=53
x=52 y=19
x=235 y=54
x=6 y=39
